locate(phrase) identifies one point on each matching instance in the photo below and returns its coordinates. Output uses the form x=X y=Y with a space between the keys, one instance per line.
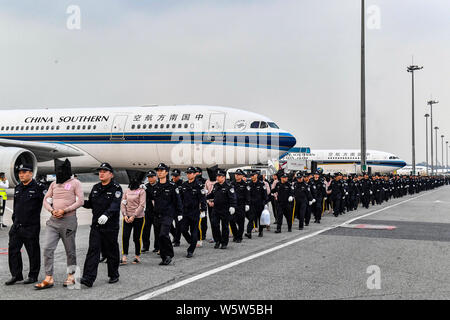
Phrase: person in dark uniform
x=166 y=196
x=318 y=193
x=104 y=200
x=337 y=194
x=175 y=231
x=366 y=191
x=26 y=217
x=224 y=203
x=242 y=190
x=303 y=198
x=285 y=196
x=194 y=202
x=150 y=215
x=258 y=199
x=204 y=217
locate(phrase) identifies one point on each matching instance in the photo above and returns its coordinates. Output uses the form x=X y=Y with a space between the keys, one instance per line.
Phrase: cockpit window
x=273 y=125
x=263 y=125
x=254 y=125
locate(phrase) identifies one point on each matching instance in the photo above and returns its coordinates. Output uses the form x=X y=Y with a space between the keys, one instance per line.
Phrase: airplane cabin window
x=156 y=126
x=17 y=128
x=254 y=125
x=150 y=126
x=138 y=126
x=32 y=128
x=179 y=126
x=263 y=125
x=27 y=127
x=174 y=126
x=73 y=127
x=144 y=126
x=94 y=127
x=48 y=127
x=78 y=127
x=84 y=127
x=133 y=126
x=185 y=125
x=89 y=127
x=21 y=128
x=273 y=125
x=167 y=126
x=53 y=128
x=68 y=128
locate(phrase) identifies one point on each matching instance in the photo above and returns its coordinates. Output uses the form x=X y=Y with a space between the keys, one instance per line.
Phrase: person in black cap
x=242 y=190
x=167 y=207
x=27 y=205
x=258 y=199
x=303 y=198
x=223 y=199
x=337 y=194
x=150 y=215
x=318 y=193
x=104 y=200
x=285 y=196
x=176 y=230
x=194 y=202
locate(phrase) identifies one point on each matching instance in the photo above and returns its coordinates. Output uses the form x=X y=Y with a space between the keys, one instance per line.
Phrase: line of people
x=178 y=208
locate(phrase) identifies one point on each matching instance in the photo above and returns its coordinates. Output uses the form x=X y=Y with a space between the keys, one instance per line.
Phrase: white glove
x=362 y=193
x=102 y=219
x=371 y=192
x=311 y=202
x=142 y=186
x=202 y=214
x=50 y=200
x=247 y=208
x=291 y=198
x=343 y=197
x=180 y=217
x=346 y=193
x=124 y=202
x=325 y=198
x=232 y=210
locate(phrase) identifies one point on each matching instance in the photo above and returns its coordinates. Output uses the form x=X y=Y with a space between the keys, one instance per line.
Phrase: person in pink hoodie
x=63 y=198
x=132 y=208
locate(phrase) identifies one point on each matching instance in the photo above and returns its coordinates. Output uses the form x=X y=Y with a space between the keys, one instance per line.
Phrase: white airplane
x=137 y=138
x=347 y=160
x=420 y=170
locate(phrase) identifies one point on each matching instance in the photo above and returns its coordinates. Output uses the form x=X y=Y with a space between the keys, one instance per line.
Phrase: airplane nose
x=288 y=141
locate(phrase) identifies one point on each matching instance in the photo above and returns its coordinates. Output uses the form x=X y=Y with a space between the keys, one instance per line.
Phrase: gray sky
x=296 y=62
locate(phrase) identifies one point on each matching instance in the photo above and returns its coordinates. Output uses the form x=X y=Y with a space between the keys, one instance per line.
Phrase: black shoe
x=189 y=255
x=306 y=224
x=176 y=244
x=102 y=259
x=318 y=221
x=238 y=240
x=30 y=280
x=289 y=230
x=278 y=231
x=166 y=261
x=145 y=250
x=155 y=250
x=12 y=281
x=300 y=228
x=235 y=240
x=224 y=246
x=113 y=280
x=217 y=245
x=248 y=235
x=86 y=282
x=260 y=234
x=3 y=225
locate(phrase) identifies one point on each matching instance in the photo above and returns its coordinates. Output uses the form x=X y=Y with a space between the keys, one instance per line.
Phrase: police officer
x=176 y=230
x=242 y=190
x=204 y=217
x=366 y=191
x=285 y=196
x=318 y=193
x=28 y=197
x=167 y=207
x=150 y=215
x=224 y=202
x=258 y=199
x=337 y=194
x=303 y=198
x=4 y=184
x=104 y=200
x=194 y=202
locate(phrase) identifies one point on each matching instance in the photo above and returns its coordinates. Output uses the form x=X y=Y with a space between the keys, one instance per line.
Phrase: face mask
x=63 y=172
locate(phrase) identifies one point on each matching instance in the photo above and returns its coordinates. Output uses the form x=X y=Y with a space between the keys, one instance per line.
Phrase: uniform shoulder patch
x=248 y=188
x=232 y=190
x=118 y=194
x=177 y=191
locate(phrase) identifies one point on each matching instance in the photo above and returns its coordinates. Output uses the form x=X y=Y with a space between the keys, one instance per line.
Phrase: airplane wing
x=42 y=150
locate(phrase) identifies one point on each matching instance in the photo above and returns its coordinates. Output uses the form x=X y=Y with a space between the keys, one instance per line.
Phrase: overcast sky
x=296 y=62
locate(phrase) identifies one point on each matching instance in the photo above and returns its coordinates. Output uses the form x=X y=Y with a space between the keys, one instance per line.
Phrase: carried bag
x=265 y=216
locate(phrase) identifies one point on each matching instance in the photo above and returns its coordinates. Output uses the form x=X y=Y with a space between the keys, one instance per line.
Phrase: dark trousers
x=366 y=200
x=317 y=208
x=149 y=222
x=190 y=222
x=135 y=226
x=237 y=222
x=175 y=231
x=308 y=214
x=275 y=209
x=165 y=245
x=300 y=211
x=254 y=216
x=28 y=237
x=105 y=241
x=204 y=223
x=284 y=210
x=221 y=219
x=337 y=205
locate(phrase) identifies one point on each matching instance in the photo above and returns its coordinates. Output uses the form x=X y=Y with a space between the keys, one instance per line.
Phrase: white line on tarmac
x=259 y=254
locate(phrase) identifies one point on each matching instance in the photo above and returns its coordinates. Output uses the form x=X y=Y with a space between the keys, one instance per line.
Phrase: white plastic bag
x=265 y=217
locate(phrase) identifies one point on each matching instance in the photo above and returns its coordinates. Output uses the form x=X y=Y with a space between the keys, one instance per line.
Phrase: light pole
x=436 y=129
x=426 y=138
x=442 y=148
x=446 y=148
x=363 y=88
x=430 y=103
x=411 y=69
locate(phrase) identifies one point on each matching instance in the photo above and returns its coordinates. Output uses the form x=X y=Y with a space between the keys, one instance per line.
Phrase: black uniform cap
x=191 y=170
x=162 y=166
x=176 y=172
x=198 y=169
x=240 y=172
x=221 y=172
x=151 y=173
x=105 y=166
x=25 y=167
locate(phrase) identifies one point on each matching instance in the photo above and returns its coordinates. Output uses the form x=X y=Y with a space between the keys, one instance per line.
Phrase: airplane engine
x=10 y=160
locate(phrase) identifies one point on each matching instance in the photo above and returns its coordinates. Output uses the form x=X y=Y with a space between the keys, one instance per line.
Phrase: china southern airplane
x=342 y=160
x=137 y=138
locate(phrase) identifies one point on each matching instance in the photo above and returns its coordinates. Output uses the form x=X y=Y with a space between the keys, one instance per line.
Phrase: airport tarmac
x=326 y=261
